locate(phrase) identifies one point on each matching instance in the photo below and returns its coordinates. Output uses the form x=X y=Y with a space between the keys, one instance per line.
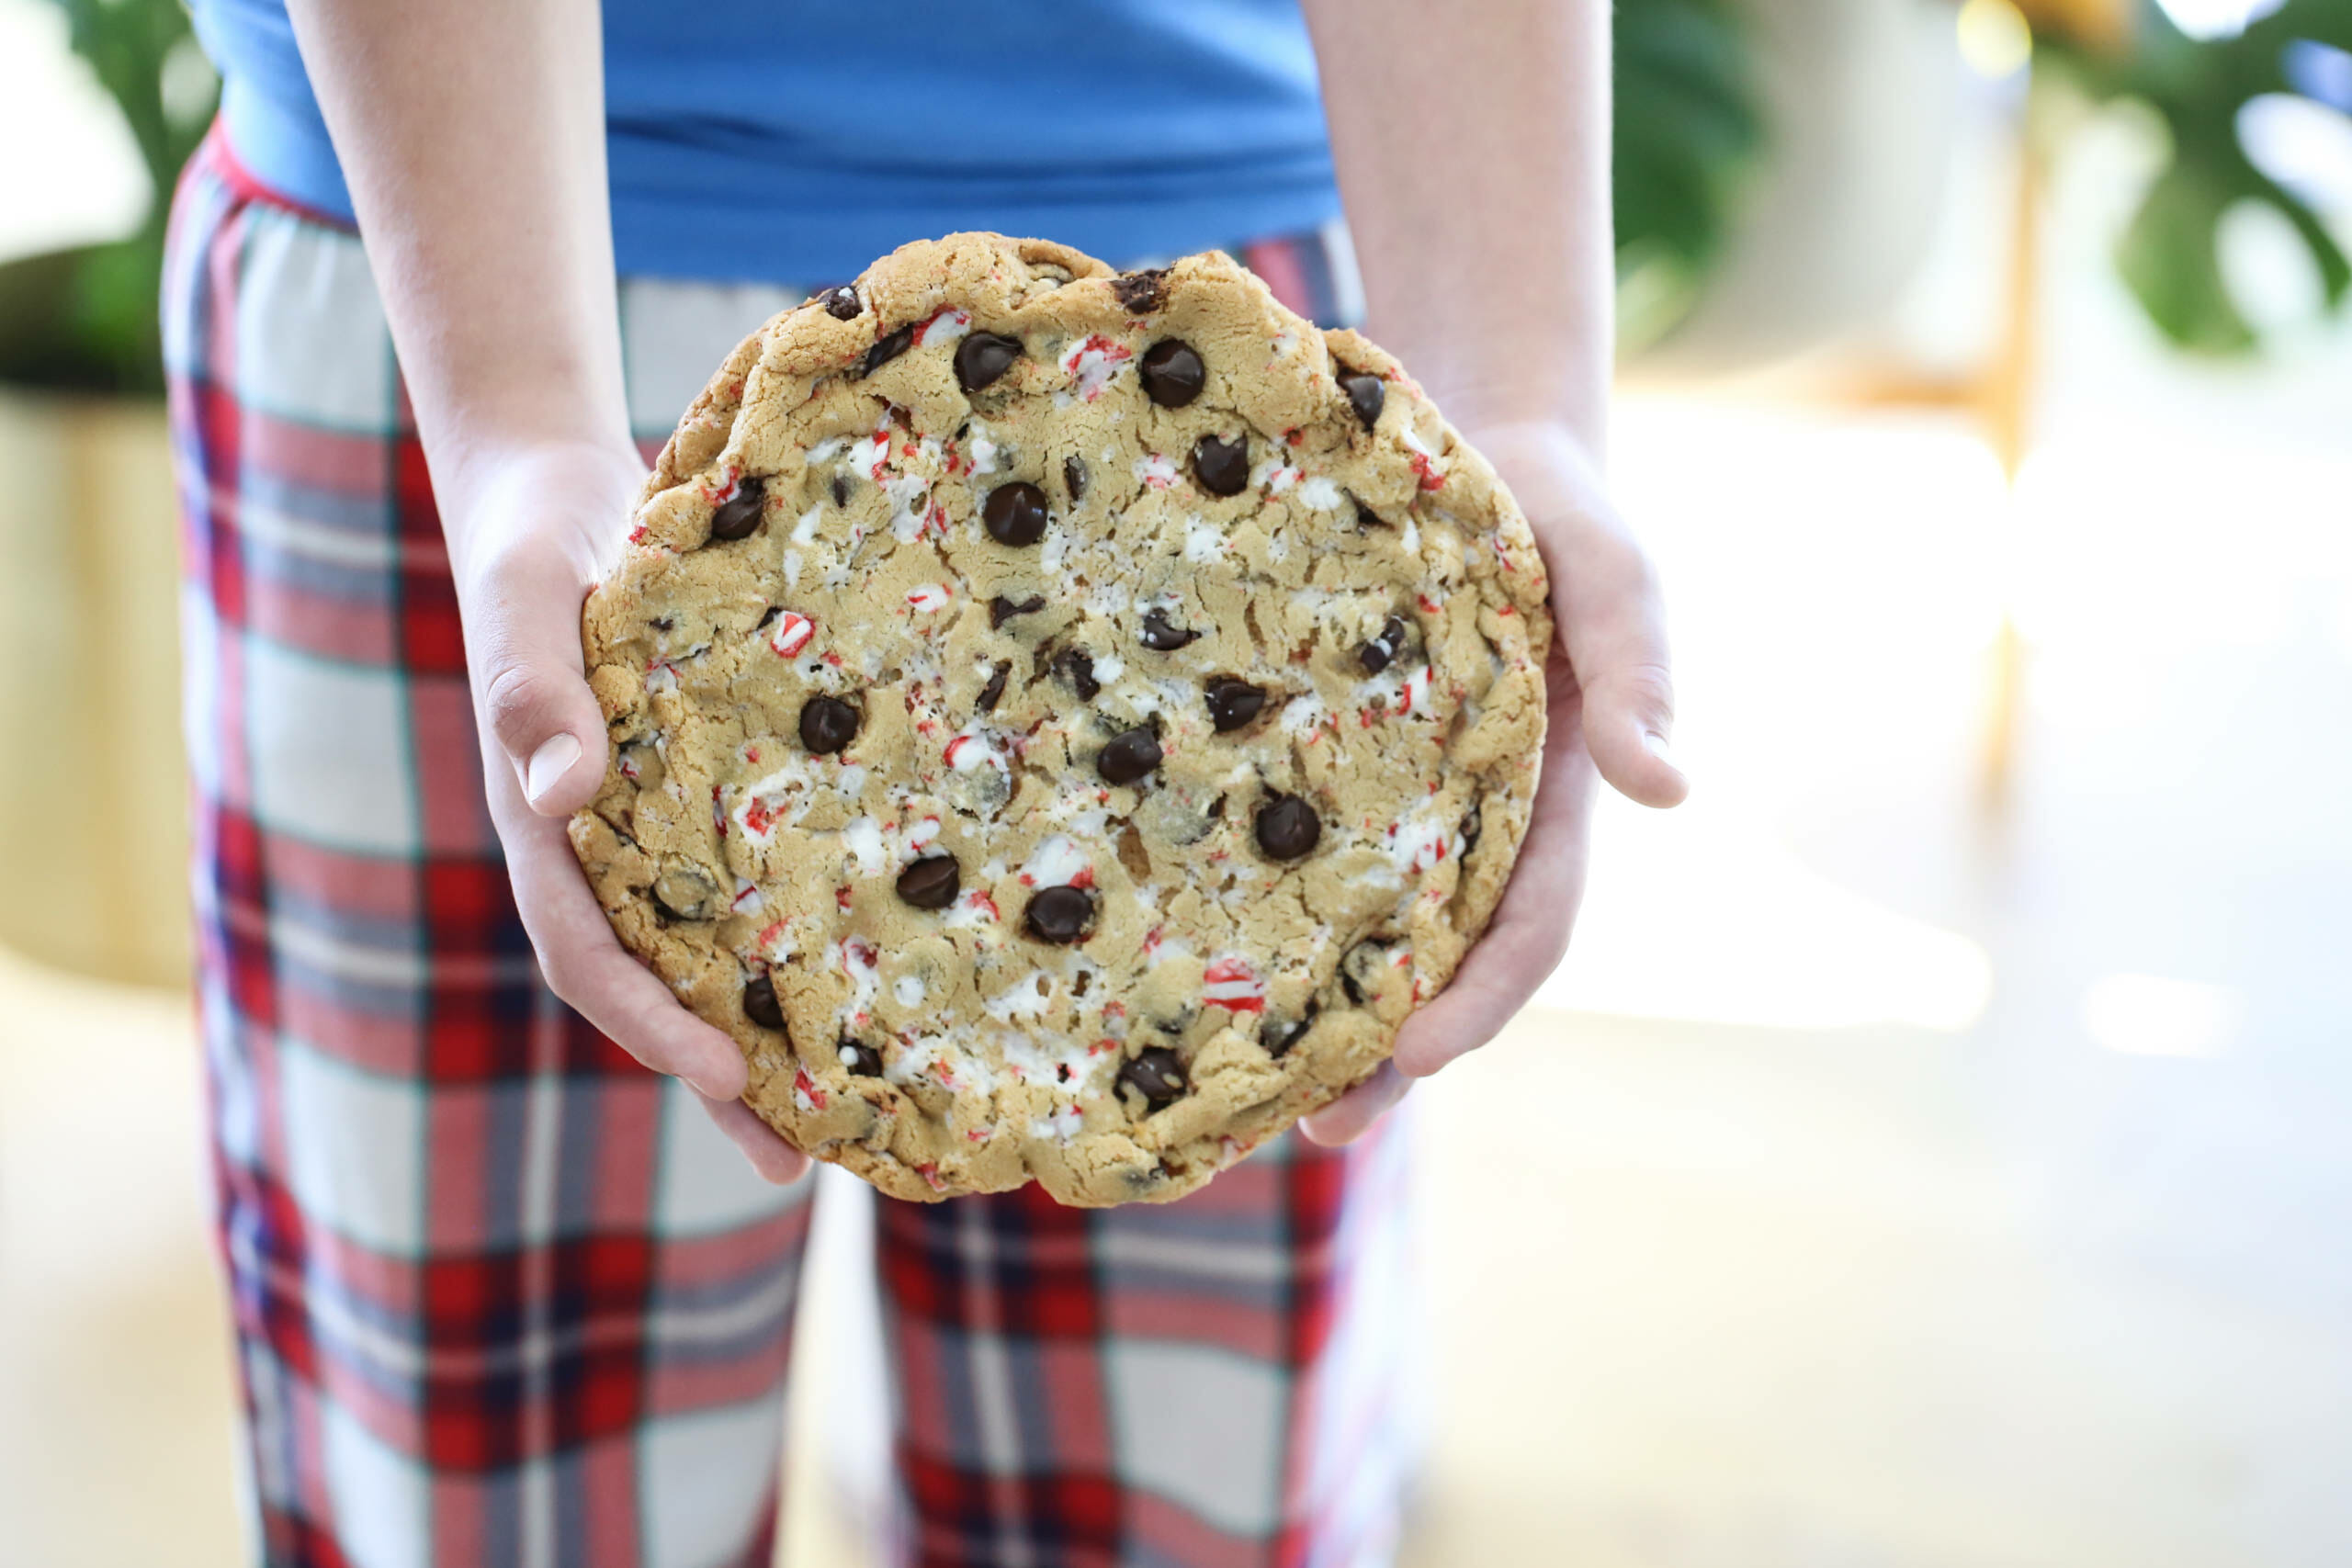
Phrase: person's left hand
x=1611 y=709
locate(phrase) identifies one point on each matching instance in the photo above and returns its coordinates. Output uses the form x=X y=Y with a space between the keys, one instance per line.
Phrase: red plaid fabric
x=501 y=1297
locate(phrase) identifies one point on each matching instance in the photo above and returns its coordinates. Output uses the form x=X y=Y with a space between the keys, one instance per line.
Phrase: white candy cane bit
x=790 y=632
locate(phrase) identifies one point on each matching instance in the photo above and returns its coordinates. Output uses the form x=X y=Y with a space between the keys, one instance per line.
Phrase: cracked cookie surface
x=1062 y=722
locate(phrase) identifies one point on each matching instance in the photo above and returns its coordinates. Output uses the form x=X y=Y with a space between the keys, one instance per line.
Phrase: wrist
x=498 y=489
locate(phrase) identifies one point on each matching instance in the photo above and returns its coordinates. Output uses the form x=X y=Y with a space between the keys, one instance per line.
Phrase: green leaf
x=2169 y=256
x=2170 y=260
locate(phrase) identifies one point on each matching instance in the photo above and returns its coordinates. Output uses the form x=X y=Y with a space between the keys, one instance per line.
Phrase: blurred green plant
x=2169 y=254
x=85 y=319
x=1689 y=131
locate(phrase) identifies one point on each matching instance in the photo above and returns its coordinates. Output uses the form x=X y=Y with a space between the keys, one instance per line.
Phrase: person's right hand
x=530 y=531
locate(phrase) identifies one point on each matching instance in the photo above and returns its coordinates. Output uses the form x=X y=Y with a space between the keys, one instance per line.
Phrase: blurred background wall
x=1932 y=1152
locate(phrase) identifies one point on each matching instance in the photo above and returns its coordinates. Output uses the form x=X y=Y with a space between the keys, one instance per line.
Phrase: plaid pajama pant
x=501 y=1295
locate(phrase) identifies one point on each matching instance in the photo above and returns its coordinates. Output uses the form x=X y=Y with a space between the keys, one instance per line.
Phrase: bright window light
x=2148 y=1015
x=1994 y=37
x=2216 y=18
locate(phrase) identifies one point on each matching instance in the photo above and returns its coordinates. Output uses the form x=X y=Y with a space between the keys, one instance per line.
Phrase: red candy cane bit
x=980 y=1134
x=930 y=1173
x=1085 y=878
x=841 y=896
x=805 y=1088
x=725 y=493
x=758 y=817
x=1432 y=605
x=1102 y=1047
x=1229 y=983
x=1430 y=477
x=791 y=634
x=636 y=535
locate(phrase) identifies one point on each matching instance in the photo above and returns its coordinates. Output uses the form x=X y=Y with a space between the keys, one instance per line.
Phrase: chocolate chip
x=826 y=724
x=1129 y=757
x=983 y=357
x=1074 y=478
x=1233 y=702
x=843 y=303
x=995 y=688
x=1377 y=653
x=886 y=349
x=1140 y=293
x=1159 y=634
x=1015 y=514
x=670 y=913
x=1366 y=395
x=1077 y=666
x=1172 y=374
x=1002 y=609
x=1157 y=1075
x=862 y=1060
x=760 y=1004
x=740 y=512
x=1060 y=914
x=1279 y=1034
x=1367 y=518
x=1222 y=467
x=840 y=489
x=1360 y=967
x=930 y=883
x=1288 y=828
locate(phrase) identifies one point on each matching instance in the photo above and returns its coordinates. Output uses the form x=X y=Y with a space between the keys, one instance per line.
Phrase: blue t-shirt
x=791 y=141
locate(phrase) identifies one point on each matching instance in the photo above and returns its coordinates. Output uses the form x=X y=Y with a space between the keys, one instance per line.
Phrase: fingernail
x=550 y=762
x=1659 y=748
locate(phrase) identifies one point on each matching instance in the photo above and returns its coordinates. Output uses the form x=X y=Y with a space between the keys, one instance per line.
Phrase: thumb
x=1615 y=633
x=534 y=700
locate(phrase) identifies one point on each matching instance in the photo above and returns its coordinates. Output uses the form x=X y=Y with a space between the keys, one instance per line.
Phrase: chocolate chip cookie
x=1062 y=721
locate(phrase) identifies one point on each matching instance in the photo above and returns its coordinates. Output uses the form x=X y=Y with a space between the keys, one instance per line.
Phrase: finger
x=1529 y=933
x=1614 y=628
x=523 y=634
x=774 y=1159
x=1351 y=1115
x=588 y=969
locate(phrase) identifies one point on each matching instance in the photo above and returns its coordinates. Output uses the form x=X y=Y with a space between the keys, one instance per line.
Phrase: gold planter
x=93 y=791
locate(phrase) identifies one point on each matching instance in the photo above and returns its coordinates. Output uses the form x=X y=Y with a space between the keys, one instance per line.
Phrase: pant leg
x=501 y=1296
x=1219 y=1382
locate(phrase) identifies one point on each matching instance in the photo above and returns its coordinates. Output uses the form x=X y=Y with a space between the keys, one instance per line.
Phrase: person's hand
x=1612 y=708
x=530 y=531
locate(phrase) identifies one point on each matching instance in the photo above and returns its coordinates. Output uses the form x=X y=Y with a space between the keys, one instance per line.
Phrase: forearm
x=1473 y=160
x=471 y=134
